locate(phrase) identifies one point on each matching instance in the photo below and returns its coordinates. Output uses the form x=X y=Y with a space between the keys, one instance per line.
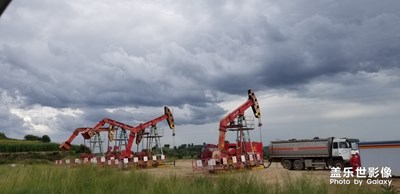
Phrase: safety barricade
x=149 y=161
x=135 y=162
x=68 y=162
x=228 y=163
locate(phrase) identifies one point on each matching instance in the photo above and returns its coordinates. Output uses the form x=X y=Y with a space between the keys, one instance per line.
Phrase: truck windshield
x=354 y=145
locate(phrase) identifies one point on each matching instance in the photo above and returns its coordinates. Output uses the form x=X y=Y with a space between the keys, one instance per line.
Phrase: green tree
x=46 y=139
x=183 y=146
x=30 y=137
x=3 y=136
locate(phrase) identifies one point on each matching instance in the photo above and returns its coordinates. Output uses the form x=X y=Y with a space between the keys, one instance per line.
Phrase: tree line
x=44 y=138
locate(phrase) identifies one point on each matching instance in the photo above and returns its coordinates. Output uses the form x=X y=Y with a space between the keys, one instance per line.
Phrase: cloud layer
x=72 y=63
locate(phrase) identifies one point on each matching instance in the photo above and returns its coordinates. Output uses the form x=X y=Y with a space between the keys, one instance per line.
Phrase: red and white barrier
x=228 y=163
x=156 y=160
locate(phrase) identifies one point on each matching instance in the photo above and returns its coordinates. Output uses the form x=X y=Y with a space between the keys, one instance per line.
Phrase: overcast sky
x=321 y=68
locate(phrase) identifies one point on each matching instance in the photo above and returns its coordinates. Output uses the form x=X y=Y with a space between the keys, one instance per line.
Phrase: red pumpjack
x=88 y=133
x=236 y=121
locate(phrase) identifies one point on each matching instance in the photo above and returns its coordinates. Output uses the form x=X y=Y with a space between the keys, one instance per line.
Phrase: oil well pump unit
x=122 y=149
x=244 y=153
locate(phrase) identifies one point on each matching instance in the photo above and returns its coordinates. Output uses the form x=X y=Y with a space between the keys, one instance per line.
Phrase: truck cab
x=354 y=146
x=344 y=148
x=341 y=148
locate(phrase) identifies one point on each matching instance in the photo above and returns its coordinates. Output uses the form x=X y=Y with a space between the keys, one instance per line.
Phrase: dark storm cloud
x=251 y=49
x=317 y=44
x=199 y=115
x=94 y=56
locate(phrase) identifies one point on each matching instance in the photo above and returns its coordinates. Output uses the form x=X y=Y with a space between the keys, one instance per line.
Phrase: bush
x=46 y=139
x=80 y=149
x=28 y=147
x=30 y=137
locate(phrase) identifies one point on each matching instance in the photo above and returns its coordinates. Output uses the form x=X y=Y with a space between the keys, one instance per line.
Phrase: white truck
x=313 y=153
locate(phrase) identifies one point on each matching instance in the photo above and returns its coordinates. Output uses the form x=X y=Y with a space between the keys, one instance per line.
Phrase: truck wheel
x=287 y=164
x=298 y=165
x=338 y=164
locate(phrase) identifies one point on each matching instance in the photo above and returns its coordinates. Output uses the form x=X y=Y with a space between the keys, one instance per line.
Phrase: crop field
x=178 y=179
x=11 y=146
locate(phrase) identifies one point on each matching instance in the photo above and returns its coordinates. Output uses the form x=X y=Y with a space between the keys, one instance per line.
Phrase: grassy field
x=89 y=179
x=13 y=145
x=33 y=152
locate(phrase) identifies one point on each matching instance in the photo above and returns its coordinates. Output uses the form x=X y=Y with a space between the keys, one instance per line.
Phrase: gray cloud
x=191 y=56
x=12 y=126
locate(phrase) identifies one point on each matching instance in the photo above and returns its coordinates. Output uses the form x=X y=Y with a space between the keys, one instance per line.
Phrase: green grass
x=12 y=145
x=15 y=146
x=88 y=179
x=308 y=184
x=31 y=158
x=16 y=141
x=33 y=152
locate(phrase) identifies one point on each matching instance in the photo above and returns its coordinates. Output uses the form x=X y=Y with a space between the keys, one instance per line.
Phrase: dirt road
x=274 y=174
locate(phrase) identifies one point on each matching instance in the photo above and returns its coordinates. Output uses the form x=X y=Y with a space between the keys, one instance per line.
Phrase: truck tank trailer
x=313 y=153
